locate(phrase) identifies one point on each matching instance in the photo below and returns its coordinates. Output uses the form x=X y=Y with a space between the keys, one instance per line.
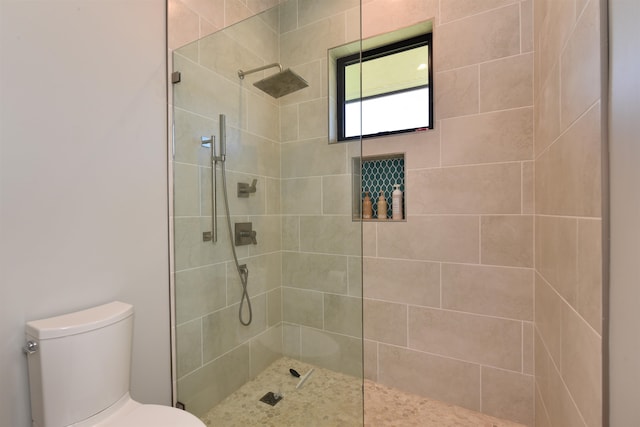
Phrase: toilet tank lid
x=80 y=321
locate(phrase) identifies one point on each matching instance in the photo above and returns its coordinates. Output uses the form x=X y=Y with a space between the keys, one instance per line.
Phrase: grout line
x=522 y=188
x=464 y=165
x=479 y=91
x=522 y=348
x=479 y=13
x=407 y=325
x=377 y=361
x=440 y=269
x=479 y=239
x=480 y=382
x=520 y=25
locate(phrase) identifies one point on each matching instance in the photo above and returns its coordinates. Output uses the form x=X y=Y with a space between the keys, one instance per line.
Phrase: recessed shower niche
x=380 y=176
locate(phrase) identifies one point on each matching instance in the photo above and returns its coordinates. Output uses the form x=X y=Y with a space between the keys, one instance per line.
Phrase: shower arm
x=241 y=73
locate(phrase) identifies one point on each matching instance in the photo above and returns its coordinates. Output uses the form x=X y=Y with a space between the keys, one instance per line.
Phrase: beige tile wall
x=448 y=294
x=568 y=208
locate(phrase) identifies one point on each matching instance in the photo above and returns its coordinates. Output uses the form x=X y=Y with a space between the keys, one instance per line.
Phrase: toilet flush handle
x=31 y=347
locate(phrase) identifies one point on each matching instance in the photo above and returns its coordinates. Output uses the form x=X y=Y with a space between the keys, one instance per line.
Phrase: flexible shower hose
x=243 y=271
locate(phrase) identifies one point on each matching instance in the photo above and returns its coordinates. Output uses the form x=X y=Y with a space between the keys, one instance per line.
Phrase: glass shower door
x=288 y=351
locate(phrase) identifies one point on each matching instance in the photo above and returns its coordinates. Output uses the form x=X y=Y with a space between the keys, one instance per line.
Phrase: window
x=396 y=90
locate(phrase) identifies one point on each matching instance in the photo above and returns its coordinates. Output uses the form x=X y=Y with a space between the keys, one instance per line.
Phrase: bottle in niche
x=382 y=206
x=396 y=202
x=367 y=208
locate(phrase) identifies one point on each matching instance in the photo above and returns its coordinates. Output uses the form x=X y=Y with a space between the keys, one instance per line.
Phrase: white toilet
x=79 y=365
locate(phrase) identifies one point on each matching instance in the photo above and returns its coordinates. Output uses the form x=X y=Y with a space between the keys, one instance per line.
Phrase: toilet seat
x=129 y=413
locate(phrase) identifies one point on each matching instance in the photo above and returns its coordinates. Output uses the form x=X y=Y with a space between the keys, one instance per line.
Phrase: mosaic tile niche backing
x=380 y=174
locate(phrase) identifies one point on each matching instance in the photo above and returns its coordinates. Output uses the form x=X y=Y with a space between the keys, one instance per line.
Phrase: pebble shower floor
x=331 y=399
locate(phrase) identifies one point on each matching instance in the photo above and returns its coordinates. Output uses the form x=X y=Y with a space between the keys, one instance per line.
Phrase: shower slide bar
x=210 y=142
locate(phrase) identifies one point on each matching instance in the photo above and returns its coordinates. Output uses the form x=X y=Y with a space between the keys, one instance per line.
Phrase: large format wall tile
x=507 y=240
x=200 y=291
x=326 y=273
x=222 y=331
x=491 y=137
x=336 y=195
x=269 y=234
x=456 y=92
x=451 y=10
x=494 y=291
x=554 y=23
x=428 y=375
x=450 y=238
x=385 y=322
x=486 y=340
x=206 y=387
x=330 y=235
x=581 y=365
x=590 y=272
x=343 y=315
x=508 y=395
x=485 y=189
x=183 y=24
x=547 y=111
x=496 y=34
x=191 y=251
x=556 y=254
x=302 y=307
x=408 y=282
x=224 y=55
x=266 y=348
x=506 y=83
x=568 y=174
x=188 y=129
x=312 y=41
x=252 y=154
x=310 y=11
x=313 y=158
x=421 y=149
x=265 y=274
x=206 y=93
x=381 y=16
x=337 y=352
x=300 y=196
x=188 y=347
x=580 y=66
x=186 y=180
x=548 y=316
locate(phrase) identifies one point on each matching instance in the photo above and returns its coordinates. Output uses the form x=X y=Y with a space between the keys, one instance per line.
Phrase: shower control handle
x=245 y=235
x=245 y=189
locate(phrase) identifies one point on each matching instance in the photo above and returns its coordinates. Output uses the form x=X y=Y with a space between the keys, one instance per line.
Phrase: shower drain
x=271 y=398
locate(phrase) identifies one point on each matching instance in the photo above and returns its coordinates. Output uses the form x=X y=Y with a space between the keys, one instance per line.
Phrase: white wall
x=83 y=173
x=624 y=126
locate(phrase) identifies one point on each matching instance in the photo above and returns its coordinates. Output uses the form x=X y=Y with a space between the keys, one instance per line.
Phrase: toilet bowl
x=129 y=413
x=79 y=366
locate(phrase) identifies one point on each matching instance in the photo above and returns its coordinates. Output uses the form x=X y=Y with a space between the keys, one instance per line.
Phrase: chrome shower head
x=279 y=84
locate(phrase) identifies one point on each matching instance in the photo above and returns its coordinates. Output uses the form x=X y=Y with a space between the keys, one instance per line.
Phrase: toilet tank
x=82 y=363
